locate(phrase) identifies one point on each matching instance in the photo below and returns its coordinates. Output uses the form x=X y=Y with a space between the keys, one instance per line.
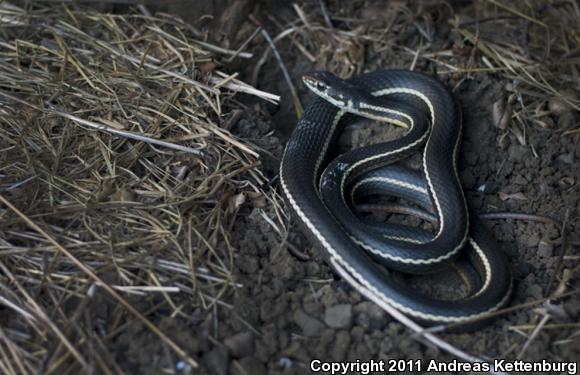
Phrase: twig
x=297 y=104
x=534 y=334
x=325 y=14
x=564 y=236
x=244 y=44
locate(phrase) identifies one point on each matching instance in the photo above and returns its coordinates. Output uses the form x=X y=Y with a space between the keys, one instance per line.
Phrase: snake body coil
x=320 y=191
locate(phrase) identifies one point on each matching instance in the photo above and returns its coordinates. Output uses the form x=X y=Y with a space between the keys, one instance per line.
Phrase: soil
x=291 y=309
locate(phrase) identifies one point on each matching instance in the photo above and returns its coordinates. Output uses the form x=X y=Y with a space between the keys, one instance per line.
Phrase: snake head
x=330 y=87
x=320 y=81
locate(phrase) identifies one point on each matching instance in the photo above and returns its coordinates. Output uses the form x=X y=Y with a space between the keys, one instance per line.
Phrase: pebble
x=567 y=158
x=340 y=346
x=488 y=188
x=248 y=265
x=533 y=240
x=565 y=140
x=312 y=306
x=545 y=188
x=312 y=268
x=310 y=326
x=386 y=346
x=339 y=316
x=241 y=344
x=517 y=152
x=370 y=316
x=357 y=333
x=217 y=360
x=268 y=311
x=248 y=366
x=572 y=308
x=327 y=337
x=547 y=171
x=545 y=249
x=520 y=180
x=535 y=291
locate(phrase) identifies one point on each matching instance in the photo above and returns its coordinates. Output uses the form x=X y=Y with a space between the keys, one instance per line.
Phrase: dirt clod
x=240 y=345
x=310 y=326
x=338 y=316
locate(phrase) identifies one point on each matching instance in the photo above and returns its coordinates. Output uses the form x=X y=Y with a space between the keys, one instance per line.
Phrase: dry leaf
x=502 y=111
x=208 y=67
x=517 y=196
x=237 y=200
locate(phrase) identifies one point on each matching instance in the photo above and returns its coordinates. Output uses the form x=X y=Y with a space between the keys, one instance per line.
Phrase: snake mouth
x=315 y=83
x=309 y=79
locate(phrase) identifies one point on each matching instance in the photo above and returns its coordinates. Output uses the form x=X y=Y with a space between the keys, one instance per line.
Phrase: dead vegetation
x=116 y=161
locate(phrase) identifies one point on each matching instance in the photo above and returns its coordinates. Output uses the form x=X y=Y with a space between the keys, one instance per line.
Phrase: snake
x=320 y=189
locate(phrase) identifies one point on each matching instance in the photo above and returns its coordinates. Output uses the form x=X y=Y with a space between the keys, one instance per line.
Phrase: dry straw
x=117 y=182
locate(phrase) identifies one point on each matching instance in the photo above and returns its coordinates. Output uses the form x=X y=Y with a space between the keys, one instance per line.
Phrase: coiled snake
x=320 y=192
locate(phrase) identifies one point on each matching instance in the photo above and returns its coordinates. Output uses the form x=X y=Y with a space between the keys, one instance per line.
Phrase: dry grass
x=119 y=180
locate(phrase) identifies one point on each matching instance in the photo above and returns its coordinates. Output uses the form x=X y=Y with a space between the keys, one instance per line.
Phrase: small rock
x=362 y=320
x=386 y=346
x=547 y=170
x=312 y=268
x=533 y=240
x=240 y=345
x=340 y=346
x=339 y=316
x=285 y=362
x=572 y=308
x=327 y=337
x=545 y=248
x=312 y=306
x=248 y=264
x=544 y=187
x=517 y=152
x=567 y=158
x=357 y=333
x=270 y=310
x=248 y=366
x=370 y=316
x=330 y=298
x=565 y=140
x=310 y=326
x=520 y=180
x=487 y=188
x=217 y=360
x=535 y=291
